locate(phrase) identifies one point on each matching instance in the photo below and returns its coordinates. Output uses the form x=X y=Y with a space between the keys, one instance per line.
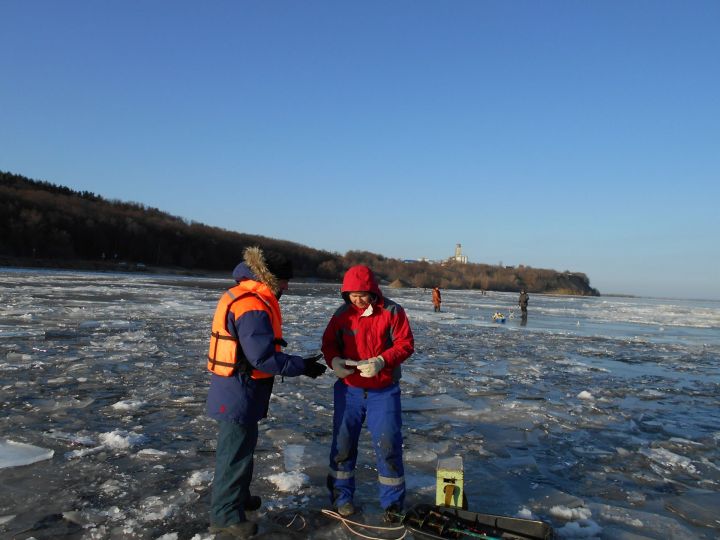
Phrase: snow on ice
x=599 y=416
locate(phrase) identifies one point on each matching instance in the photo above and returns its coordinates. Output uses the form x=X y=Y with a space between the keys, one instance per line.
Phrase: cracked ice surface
x=599 y=416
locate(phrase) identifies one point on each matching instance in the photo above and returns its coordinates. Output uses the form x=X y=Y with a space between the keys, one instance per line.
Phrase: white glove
x=338 y=366
x=371 y=366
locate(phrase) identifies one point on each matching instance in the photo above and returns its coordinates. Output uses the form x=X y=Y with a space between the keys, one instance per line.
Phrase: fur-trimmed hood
x=254 y=267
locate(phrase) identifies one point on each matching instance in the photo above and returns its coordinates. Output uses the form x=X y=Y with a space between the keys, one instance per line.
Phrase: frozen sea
x=600 y=415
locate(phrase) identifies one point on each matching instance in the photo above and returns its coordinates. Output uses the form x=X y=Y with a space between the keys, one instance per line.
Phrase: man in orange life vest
x=244 y=356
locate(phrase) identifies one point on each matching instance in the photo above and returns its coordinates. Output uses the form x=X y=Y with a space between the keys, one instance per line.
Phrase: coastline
x=104 y=266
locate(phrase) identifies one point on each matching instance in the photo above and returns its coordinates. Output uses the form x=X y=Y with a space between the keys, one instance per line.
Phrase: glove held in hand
x=371 y=366
x=338 y=366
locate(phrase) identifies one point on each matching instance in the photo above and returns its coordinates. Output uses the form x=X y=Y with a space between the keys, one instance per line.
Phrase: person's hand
x=339 y=367
x=371 y=366
x=312 y=368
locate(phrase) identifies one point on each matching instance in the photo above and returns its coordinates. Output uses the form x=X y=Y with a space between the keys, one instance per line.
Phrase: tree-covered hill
x=45 y=224
x=45 y=221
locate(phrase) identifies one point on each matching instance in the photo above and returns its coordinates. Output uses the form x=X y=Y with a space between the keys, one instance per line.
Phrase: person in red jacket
x=365 y=342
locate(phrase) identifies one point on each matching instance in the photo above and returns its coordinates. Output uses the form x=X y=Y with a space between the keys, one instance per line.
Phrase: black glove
x=312 y=368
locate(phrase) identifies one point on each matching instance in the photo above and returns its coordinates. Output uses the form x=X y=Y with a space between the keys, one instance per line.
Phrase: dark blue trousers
x=233 y=472
x=383 y=412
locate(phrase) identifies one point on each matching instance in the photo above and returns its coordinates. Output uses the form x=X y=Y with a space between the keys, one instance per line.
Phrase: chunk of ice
x=698 y=508
x=16 y=454
x=122 y=439
x=290 y=481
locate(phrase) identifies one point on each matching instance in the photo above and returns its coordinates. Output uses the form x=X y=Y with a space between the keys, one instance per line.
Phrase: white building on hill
x=458 y=257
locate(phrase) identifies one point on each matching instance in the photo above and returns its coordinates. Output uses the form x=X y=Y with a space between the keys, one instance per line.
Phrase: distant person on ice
x=244 y=356
x=523 y=302
x=436 y=298
x=365 y=342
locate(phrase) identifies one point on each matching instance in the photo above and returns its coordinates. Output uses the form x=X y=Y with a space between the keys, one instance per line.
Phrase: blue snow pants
x=233 y=472
x=384 y=420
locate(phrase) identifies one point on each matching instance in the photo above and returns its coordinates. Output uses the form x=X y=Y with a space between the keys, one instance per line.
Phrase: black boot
x=252 y=503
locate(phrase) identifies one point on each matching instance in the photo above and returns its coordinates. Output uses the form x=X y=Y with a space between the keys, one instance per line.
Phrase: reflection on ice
x=607 y=428
x=432 y=403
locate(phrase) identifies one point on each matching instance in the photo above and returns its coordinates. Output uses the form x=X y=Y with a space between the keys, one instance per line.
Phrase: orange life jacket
x=225 y=355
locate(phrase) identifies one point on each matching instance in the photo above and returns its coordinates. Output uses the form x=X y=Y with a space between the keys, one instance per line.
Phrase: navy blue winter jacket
x=239 y=398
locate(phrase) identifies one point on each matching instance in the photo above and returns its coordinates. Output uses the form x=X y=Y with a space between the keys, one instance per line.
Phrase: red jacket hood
x=360 y=278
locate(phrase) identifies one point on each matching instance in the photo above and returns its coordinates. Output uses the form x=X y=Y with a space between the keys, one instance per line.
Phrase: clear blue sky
x=573 y=135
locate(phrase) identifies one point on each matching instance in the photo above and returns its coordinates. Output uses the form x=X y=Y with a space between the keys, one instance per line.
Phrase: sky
x=580 y=136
